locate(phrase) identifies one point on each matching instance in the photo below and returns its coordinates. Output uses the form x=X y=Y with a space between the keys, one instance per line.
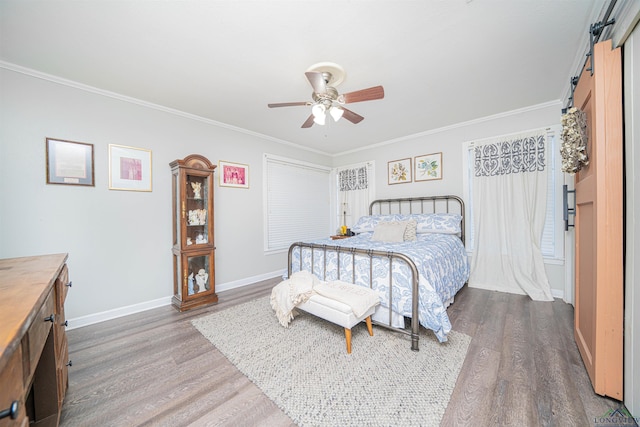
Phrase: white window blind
x=297 y=202
x=548 y=241
x=552 y=235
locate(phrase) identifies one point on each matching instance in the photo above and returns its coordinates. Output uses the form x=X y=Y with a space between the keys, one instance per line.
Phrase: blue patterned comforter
x=441 y=261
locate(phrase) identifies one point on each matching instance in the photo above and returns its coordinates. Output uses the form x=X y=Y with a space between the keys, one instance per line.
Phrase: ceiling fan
x=323 y=78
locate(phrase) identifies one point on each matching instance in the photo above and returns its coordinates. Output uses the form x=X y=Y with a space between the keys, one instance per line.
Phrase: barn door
x=599 y=222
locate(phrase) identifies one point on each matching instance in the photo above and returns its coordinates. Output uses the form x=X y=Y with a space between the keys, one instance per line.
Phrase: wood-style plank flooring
x=153 y=368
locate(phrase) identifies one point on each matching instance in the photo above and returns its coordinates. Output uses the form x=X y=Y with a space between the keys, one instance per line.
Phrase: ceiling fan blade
x=288 y=104
x=351 y=116
x=317 y=81
x=376 y=92
x=309 y=122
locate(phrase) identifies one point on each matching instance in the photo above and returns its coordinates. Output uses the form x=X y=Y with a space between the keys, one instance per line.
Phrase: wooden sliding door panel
x=599 y=224
x=586 y=296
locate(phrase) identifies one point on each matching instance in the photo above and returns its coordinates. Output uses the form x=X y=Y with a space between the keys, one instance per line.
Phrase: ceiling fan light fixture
x=336 y=113
x=323 y=77
x=320 y=120
x=318 y=110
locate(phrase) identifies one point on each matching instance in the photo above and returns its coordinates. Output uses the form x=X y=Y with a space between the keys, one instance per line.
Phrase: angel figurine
x=202 y=216
x=196 y=186
x=191 y=290
x=201 y=280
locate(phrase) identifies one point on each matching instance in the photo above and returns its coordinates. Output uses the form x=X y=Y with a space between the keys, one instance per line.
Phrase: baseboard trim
x=248 y=281
x=103 y=316
x=90 y=319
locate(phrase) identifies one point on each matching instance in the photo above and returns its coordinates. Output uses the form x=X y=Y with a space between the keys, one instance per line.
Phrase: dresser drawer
x=62 y=286
x=60 y=334
x=11 y=388
x=36 y=336
x=62 y=371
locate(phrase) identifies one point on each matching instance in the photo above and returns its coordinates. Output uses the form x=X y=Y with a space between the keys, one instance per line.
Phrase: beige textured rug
x=307 y=372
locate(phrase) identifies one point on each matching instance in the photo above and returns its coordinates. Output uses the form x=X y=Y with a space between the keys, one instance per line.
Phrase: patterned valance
x=515 y=155
x=353 y=179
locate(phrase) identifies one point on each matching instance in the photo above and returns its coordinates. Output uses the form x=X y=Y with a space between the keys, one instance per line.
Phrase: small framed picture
x=69 y=162
x=233 y=174
x=428 y=167
x=399 y=171
x=129 y=168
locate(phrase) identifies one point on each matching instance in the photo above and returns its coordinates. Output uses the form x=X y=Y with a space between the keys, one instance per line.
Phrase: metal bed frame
x=437 y=204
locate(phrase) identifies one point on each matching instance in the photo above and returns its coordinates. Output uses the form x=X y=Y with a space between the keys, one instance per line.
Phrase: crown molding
x=627 y=14
x=76 y=85
x=455 y=126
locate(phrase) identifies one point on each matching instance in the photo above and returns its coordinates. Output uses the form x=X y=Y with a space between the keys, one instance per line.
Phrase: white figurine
x=200 y=239
x=202 y=216
x=201 y=279
x=198 y=217
x=189 y=242
x=196 y=189
x=191 y=291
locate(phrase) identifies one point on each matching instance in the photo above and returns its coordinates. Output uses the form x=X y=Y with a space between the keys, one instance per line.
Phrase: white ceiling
x=441 y=62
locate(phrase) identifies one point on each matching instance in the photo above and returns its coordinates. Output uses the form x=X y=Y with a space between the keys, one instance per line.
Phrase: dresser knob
x=69 y=363
x=51 y=318
x=11 y=412
x=69 y=284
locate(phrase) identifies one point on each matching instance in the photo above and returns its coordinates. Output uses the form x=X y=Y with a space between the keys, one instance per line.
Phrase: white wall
x=119 y=242
x=449 y=141
x=632 y=255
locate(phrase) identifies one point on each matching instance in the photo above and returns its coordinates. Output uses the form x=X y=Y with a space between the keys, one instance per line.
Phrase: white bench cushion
x=333 y=311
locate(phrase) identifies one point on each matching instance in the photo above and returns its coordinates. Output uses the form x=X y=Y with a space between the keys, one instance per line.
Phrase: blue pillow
x=444 y=223
x=368 y=223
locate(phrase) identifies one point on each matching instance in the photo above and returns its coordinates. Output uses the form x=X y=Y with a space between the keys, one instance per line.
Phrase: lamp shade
x=318 y=110
x=336 y=113
x=320 y=120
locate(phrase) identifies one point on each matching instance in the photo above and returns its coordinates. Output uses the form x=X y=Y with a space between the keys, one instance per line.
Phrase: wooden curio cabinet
x=193 y=240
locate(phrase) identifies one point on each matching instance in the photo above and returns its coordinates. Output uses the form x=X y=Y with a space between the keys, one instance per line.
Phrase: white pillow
x=368 y=223
x=390 y=231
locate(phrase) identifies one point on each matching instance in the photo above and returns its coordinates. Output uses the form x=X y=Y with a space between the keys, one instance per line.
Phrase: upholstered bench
x=327 y=307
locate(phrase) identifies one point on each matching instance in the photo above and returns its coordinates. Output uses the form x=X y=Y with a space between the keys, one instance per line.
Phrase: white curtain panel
x=355 y=192
x=509 y=196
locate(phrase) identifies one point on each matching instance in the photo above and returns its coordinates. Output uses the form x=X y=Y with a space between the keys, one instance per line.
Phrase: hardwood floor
x=154 y=368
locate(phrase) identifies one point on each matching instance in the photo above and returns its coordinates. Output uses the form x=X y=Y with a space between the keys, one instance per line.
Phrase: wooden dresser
x=33 y=343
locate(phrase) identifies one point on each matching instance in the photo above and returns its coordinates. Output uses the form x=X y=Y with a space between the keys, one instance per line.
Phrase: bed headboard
x=427 y=204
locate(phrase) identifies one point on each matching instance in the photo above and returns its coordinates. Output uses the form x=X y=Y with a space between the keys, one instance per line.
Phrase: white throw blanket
x=359 y=298
x=286 y=295
x=291 y=292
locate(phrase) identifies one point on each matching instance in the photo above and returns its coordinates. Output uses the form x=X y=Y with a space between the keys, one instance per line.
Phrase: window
x=355 y=191
x=296 y=200
x=552 y=242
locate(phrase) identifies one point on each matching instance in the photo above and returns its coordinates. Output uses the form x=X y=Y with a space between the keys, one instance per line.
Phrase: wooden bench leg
x=347 y=334
x=369 y=326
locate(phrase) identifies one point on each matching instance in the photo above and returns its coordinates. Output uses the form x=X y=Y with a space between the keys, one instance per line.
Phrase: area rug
x=306 y=371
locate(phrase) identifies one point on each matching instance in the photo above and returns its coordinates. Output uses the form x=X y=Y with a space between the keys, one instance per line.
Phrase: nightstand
x=340 y=236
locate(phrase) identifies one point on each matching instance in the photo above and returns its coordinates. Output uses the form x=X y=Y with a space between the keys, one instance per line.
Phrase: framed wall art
x=233 y=174
x=428 y=167
x=399 y=171
x=69 y=162
x=129 y=168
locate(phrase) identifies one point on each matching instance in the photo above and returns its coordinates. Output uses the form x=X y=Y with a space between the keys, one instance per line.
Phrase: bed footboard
x=392 y=257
